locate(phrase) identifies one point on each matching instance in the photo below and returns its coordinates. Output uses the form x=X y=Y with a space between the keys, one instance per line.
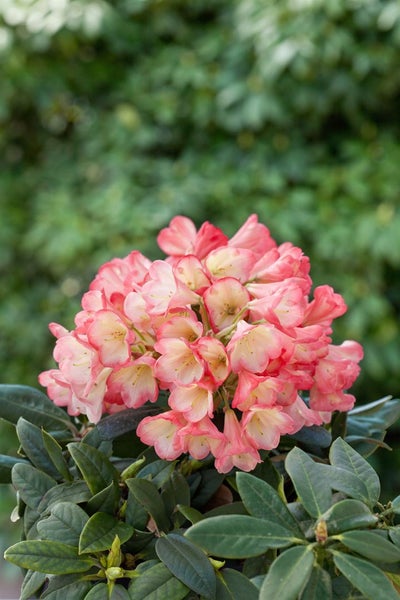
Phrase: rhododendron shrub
x=226 y=327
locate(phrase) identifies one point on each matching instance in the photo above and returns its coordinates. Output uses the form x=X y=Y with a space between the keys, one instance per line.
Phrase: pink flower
x=183 y=327
x=181 y=238
x=134 y=383
x=252 y=347
x=208 y=239
x=264 y=425
x=230 y=262
x=121 y=274
x=221 y=326
x=339 y=368
x=178 y=364
x=334 y=373
x=215 y=359
x=190 y=271
x=162 y=291
x=237 y=450
x=83 y=372
x=90 y=401
x=331 y=401
x=58 y=330
x=193 y=401
x=178 y=238
x=78 y=361
x=109 y=335
x=254 y=236
x=135 y=309
x=260 y=390
x=225 y=300
x=326 y=306
x=201 y=438
x=162 y=432
x=281 y=304
x=302 y=415
x=282 y=263
x=58 y=388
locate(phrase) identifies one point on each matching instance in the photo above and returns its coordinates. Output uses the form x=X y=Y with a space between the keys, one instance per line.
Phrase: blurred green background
x=116 y=116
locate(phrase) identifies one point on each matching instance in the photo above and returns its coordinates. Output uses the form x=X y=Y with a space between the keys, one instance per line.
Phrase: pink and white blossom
x=226 y=328
x=162 y=432
x=237 y=449
x=226 y=300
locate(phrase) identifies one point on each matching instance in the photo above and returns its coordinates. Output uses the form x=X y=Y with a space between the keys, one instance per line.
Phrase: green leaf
x=92 y=438
x=101 y=592
x=365 y=576
x=76 y=492
x=343 y=590
x=395 y=505
x=146 y=493
x=95 y=467
x=31 y=440
x=370 y=545
x=31 y=518
x=394 y=534
x=313 y=435
x=125 y=421
x=54 y=558
x=188 y=563
x=119 y=593
x=345 y=458
x=367 y=445
x=157 y=583
x=233 y=585
x=31 y=483
x=209 y=482
x=319 y=586
x=266 y=471
x=62 y=587
x=175 y=491
x=312 y=490
x=262 y=501
x=258 y=565
x=232 y=508
x=132 y=468
x=191 y=514
x=383 y=412
x=348 y=514
x=99 y=533
x=65 y=522
x=24 y=401
x=105 y=501
x=138 y=541
x=288 y=574
x=147 y=564
x=344 y=481
x=135 y=513
x=33 y=580
x=238 y=536
x=395 y=578
x=158 y=471
x=56 y=455
x=6 y=465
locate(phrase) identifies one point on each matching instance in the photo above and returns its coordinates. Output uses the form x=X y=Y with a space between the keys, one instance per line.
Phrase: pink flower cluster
x=225 y=326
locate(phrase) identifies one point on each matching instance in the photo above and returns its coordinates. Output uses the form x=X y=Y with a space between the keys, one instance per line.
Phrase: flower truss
x=226 y=327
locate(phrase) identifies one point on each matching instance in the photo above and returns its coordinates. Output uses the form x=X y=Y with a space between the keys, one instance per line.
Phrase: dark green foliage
x=179 y=530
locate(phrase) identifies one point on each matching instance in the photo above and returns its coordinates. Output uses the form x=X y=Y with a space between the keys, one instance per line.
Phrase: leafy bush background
x=116 y=116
